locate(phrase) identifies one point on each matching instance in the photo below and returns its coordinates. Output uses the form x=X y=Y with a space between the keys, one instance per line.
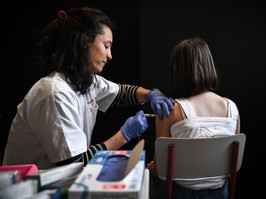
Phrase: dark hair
x=192 y=69
x=64 y=44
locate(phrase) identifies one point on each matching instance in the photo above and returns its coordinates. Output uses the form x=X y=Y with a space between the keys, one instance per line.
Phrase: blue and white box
x=113 y=174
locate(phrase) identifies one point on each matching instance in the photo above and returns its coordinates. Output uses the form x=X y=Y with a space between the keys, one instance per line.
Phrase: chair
x=199 y=157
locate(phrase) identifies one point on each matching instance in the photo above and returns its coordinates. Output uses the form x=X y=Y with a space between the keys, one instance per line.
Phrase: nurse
x=54 y=122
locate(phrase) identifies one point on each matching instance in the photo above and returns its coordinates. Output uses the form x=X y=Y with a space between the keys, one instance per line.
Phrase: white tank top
x=193 y=126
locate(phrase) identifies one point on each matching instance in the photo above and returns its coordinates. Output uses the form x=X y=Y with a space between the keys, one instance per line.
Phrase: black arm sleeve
x=86 y=156
x=126 y=96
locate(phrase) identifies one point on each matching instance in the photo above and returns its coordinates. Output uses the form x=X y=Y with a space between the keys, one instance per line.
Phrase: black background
x=146 y=34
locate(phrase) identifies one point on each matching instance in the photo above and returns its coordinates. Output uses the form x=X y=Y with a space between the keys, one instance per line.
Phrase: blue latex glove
x=134 y=126
x=160 y=103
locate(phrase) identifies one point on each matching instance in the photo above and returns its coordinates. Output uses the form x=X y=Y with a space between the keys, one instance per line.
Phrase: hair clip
x=62 y=15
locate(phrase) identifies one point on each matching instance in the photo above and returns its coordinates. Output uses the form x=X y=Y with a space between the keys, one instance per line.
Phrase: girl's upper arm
x=163 y=126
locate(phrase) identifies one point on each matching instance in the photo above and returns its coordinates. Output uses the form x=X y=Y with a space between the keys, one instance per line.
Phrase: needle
x=150 y=115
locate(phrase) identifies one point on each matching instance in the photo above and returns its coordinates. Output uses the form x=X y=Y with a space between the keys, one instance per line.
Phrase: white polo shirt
x=54 y=122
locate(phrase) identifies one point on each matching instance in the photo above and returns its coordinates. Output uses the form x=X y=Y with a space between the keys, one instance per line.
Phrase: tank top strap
x=186 y=108
x=232 y=110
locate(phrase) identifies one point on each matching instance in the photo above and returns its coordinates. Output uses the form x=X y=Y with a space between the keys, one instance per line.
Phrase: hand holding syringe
x=148 y=115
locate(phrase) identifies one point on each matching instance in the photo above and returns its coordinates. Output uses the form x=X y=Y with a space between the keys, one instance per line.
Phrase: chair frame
x=213 y=156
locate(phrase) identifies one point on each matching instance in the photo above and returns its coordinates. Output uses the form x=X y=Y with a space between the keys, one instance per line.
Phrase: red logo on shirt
x=92 y=100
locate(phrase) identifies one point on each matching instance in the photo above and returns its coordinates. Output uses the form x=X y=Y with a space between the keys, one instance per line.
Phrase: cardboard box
x=146 y=186
x=130 y=186
x=56 y=174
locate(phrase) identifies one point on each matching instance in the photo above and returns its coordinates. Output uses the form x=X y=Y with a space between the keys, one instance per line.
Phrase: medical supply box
x=104 y=177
